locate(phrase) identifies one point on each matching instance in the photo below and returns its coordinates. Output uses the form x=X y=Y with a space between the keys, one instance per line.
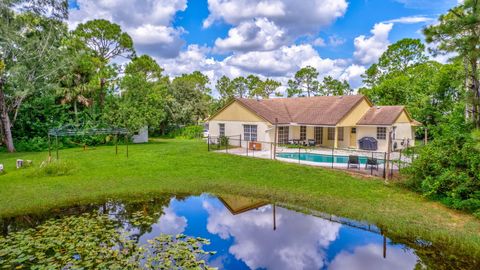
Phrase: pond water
x=250 y=233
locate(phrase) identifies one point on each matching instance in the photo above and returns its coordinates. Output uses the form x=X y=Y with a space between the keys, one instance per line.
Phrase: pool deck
x=267 y=154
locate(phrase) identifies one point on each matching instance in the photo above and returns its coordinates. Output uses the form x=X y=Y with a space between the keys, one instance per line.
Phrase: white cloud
x=411 y=20
x=259 y=246
x=319 y=42
x=280 y=64
x=336 y=41
x=147 y=21
x=168 y=223
x=286 y=18
x=371 y=257
x=259 y=34
x=369 y=49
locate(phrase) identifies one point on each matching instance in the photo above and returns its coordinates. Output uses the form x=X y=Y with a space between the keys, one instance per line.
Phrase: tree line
x=50 y=77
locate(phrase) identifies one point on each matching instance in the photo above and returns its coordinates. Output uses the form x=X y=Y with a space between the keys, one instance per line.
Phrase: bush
x=55 y=168
x=188 y=132
x=448 y=169
x=35 y=144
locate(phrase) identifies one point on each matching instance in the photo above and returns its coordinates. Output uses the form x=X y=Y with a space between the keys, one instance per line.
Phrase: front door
x=353 y=137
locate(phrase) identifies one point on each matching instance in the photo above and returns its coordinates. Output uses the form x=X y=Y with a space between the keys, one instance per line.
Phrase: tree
x=398 y=57
x=142 y=98
x=29 y=51
x=305 y=82
x=267 y=88
x=190 y=100
x=107 y=41
x=333 y=87
x=457 y=31
x=225 y=88
x=240 y=87
x=253 y=84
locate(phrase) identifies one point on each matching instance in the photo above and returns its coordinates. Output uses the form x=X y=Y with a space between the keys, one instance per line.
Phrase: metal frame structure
x=72 y=131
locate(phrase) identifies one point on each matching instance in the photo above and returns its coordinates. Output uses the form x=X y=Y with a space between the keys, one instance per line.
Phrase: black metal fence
x=366 y=162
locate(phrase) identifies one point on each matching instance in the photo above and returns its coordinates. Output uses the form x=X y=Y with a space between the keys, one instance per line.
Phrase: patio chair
x=311 y=143
x=372 y=162
x=353 y=161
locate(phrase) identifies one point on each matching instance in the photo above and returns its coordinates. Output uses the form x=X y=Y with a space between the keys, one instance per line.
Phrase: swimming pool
x=321 y=158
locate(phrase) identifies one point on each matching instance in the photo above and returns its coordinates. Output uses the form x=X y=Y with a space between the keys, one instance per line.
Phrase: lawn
x=186 y=166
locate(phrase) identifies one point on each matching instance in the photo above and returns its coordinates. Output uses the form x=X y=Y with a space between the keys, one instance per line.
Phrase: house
x=328 y=121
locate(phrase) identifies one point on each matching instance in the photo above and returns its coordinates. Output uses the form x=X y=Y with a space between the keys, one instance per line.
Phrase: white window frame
x=381 y=133
x=250 y=133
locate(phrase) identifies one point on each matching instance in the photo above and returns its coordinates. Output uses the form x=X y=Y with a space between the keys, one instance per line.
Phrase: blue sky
x=270 y=38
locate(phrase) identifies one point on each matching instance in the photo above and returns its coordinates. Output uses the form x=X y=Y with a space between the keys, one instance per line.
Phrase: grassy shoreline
x=182 y=166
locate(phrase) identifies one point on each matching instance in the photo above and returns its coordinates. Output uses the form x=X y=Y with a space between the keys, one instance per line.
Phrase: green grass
x=186 y=166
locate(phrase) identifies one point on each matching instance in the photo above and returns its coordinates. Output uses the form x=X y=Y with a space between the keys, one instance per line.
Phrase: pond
x=242 y=233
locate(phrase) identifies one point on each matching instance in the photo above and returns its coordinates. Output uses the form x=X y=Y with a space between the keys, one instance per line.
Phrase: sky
x=268 y=38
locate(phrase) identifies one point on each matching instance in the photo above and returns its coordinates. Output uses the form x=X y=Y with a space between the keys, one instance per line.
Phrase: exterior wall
x=265 y=132
x=403 y=118
x=404 y=133
x=236 y=112
x=371 y=131
x=352 y=118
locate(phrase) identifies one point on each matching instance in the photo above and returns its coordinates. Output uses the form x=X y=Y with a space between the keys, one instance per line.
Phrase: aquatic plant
x=95 y=241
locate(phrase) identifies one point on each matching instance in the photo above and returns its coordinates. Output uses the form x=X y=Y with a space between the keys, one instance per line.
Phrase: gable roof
x=321 y=110
x=382 y=115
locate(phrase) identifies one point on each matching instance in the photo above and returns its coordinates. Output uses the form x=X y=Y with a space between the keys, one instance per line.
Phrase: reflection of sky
x=301 y=241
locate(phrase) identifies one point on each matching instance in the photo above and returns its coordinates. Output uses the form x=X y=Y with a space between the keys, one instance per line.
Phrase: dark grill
x=368 y=143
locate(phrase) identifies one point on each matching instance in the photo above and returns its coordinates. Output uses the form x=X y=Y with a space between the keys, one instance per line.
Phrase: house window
x=340 y=134
x=354 y=131
x=303 y=133
x=250 y=133
x=381 y=133
x=331 y=134
x=283 y=135
x=221 y=128
x=318 y=135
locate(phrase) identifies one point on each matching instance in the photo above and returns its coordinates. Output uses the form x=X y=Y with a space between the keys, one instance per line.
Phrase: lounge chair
x=312 y=143
x=353 y=161
x=372 y=162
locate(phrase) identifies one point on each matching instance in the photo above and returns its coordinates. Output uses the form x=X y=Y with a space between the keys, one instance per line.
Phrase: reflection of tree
x=437 y=255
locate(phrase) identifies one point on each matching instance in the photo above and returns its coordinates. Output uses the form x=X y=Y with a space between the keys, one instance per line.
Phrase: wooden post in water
x=384 y=246
x=274 y=219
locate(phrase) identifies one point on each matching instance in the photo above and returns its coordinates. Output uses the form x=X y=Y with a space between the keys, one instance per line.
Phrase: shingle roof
x=381 y=115
x=324 y=110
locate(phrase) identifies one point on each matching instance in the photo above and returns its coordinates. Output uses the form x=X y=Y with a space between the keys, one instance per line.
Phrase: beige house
x=329 y=121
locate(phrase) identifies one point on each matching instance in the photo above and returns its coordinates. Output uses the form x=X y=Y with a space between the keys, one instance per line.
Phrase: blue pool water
x=320 y=158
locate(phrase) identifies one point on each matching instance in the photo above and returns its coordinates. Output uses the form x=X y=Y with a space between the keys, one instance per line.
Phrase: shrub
x=448 y=169
x=224 y=141
x=55 y=168
x=188 y=132
x=35 y=144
